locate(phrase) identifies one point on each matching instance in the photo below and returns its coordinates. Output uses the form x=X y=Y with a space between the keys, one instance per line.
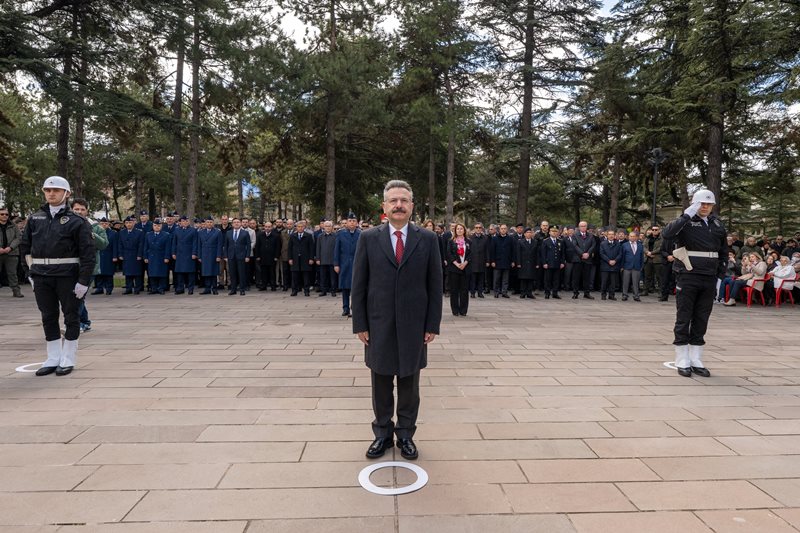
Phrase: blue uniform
x=184 y=246
x=104 y=280
x=209 y=250
x=130 y=246
x=146 y=227
x=344 y=253
x=157 y=248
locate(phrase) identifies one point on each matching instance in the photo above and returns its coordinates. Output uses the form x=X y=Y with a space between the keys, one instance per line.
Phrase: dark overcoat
x=480 y=252
x=344 y=251
x=397 y=304
x=157 y=247
x=608 y=251
x=268 y=247
x=184 y=246
x=130 y=247
x=107 y=255
x=527 y=258
x=209 y=247
x=503 y=251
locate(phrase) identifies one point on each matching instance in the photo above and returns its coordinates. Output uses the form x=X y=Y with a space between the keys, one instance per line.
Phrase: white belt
x=56 y=261
x=711 y=255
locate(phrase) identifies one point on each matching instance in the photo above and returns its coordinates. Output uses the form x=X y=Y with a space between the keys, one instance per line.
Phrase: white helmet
x=56 y=182
x=704 y=196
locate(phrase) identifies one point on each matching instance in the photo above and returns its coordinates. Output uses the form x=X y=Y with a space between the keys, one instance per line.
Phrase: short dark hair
x=81 y=201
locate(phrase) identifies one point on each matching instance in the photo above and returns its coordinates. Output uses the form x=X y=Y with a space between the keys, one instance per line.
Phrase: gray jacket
x=13 y=235
x=325 y=245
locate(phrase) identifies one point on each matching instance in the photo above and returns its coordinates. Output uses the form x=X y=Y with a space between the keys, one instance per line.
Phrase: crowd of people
x=239 y=254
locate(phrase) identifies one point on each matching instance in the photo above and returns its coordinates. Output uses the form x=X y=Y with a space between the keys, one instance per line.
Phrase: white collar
x=404 y=229
x=56 y=209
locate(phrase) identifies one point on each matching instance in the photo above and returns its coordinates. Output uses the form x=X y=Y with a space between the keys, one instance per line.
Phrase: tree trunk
x=177 y=114
x=262 y=206
x=616 y=175
x=65 y=111
x=194 y=138
x=137 y=194
x=240 y=196
x=80 y=116
x=330 y=126
x=605 y=205
x=151 y=203
x=525 y=120
x=451 y=151
x=431 y=179
x=714 y=177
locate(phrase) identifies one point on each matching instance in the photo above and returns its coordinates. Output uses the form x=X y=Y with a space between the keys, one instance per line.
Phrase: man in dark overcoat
x=301 y=258
x=267 y=254
x=184 y=253
x=397 y=310
x=344 y=252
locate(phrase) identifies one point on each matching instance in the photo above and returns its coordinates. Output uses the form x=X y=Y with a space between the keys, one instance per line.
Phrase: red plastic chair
x=779 y=290
x=750 y=290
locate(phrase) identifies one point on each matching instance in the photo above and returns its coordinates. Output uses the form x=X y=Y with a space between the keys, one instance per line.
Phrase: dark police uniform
x=62 y=253
x=705 y=242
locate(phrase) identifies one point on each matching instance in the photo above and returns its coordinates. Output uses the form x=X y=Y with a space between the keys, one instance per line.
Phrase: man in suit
x=610 y=258
x=571 y=256
x=267 y=254
x=397 y=310
x=527 y=263
x=551 y=258
x=286 y=269
x=237 y=254
x=632 y=265
x=301 y=258
x=582 y=270
x=480 y=261
x=130 y=247
x=326 y=241
x=503 y=254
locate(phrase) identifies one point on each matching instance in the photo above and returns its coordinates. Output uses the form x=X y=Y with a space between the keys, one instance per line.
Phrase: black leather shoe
x=320 y=295
x=624 y=297
x=379 y=447
x=612 y=297
x=701 y=371
x=178 y=292
x=505 y=295
x=345 y=312
x=546 y=296
x=663 y=298
x=97 y=291
x=497 y=295
x=241 y=293
x=480 y=295
x=46 y=370
x=602 y=296
x=63 y=370
x=214 y=291
x=636 y=299
x=127 y=292
x=574 y=295
x=588 y=296
x=685 y=372
x=231 y=293
x=556 y=297
x=306 y=293
x=190 y=291
x=407 y=449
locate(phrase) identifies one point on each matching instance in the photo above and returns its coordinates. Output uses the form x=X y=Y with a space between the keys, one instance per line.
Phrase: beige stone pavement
x=225 y=414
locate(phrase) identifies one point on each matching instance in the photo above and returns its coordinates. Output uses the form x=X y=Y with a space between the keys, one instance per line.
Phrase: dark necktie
x=398 y=250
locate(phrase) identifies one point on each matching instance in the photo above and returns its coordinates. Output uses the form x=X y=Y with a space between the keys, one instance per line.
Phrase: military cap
x=130 y=218
x=143 y=212
x=157 y=221
x=351 y=215
x=184 y=217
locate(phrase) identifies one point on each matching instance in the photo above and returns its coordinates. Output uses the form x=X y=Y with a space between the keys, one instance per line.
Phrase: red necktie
x=398 y=250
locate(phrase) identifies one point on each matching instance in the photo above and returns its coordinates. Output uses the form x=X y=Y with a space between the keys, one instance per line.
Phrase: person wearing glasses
x=9 y=250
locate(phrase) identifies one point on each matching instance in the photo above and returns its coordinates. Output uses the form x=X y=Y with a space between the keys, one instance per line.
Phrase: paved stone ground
x=225 y=414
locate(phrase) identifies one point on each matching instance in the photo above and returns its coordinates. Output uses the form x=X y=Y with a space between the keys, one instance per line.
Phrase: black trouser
x=489 y=279
x=694 y=300
x=526 y=287
x=552 y=278
x=301 y=280
x=250 y=271
x=477 y=280
x=608 y=283
x=237 y=270
x=327 y=278
x=501 y=280
x=513 y=281
x=459 y=296
x=133 y=283
x=158 y=284
x=52 y=292
x=666 y=280
x=266 y=275
x=581 y=277
x=105 y=283
x=567 y=283
x=540 y=278
x=652 y=276
x=184 y=279
x=383 y=405
x=287 y=275
x=346 y=300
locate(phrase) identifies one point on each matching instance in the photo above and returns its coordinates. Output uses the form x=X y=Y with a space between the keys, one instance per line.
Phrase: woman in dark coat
x=458 y=252
x=527 y=263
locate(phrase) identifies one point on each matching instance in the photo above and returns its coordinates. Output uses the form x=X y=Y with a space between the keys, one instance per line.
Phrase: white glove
x=80 y=290
x=692 y=209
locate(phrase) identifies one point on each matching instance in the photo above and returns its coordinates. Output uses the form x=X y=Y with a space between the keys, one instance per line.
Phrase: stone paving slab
x=233 y=414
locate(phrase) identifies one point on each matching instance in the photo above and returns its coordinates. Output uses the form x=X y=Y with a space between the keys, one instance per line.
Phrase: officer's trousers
x=694 y=300
x=51 y=293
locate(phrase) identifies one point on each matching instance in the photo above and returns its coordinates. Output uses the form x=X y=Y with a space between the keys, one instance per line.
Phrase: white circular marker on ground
x=363 y=478
x=670 y=364
x=24 y=368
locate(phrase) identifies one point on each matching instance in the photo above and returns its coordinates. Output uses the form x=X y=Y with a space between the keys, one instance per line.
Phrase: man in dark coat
x=344 y=253
x=397 y=310
x=209 y=255
x=610 y=257
x=582 y=270
x=104 y=281
x=480 y=260
x=326 y=242
x=572 y=256
x=502 y=254
x=551 y=258
x=236 y=250
x=267 y=254
x=301 y=258
x=157 y=248
x=527 y=263
x=130 y=247
x=184 y=253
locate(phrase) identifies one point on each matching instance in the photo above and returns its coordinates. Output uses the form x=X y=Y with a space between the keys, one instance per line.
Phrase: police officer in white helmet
x=59 y=247
x=700 y=256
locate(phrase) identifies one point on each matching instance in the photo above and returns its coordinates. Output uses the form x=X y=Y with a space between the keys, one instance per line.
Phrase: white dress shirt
x=392 y=236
